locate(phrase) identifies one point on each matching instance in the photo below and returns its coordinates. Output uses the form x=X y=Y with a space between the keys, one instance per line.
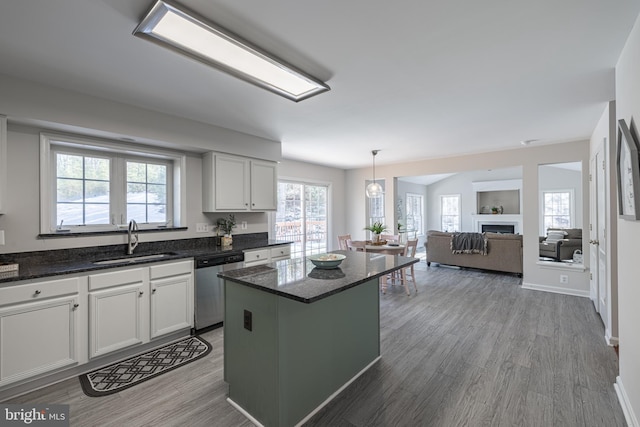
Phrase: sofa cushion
x=555 y=235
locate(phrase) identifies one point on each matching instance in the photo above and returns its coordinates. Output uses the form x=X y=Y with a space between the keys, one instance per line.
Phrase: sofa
x=504 y=252
x=560 y=243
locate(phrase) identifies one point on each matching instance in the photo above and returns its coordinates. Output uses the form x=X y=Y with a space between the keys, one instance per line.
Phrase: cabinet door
x=231 y=183
x=264 y=185
x=171 y=304
x=37 y=337
x=115 y=318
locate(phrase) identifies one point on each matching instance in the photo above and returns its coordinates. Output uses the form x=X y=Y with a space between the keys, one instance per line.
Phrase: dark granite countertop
x=39 y=264
x=300 y=280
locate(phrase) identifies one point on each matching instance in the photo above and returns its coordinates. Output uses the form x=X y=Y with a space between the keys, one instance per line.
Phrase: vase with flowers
x=226 y=226
x=376 y=228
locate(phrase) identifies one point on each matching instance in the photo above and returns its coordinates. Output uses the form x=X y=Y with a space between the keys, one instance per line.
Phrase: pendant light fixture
x=374 y=190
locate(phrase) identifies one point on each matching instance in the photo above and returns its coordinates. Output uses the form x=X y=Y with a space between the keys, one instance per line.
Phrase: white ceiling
x=416 y=79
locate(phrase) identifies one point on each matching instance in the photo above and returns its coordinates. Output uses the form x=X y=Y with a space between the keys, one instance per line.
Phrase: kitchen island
x=296 y=335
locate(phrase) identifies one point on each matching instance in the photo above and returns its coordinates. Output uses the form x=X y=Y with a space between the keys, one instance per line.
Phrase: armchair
x=560 y=243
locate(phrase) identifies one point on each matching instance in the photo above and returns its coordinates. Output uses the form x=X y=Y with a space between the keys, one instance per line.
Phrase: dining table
x=387 y=249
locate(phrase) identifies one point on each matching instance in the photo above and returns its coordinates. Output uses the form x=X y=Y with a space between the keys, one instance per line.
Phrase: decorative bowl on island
x=326 y=260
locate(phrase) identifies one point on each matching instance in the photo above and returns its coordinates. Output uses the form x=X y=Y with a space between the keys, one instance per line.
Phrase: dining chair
x=402 y=276
x=410 y=249
x=357 y=245
x=342 y=242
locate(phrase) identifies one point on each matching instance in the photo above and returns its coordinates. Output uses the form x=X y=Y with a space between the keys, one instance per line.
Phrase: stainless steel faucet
x=133 y=237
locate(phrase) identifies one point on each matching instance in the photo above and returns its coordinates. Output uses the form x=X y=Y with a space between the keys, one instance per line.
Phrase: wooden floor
x=470 y=348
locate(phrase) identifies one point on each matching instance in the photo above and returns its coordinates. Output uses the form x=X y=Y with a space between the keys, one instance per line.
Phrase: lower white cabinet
x=171 y=297
x=118 y=305
x=253 y=257
x=38 y=329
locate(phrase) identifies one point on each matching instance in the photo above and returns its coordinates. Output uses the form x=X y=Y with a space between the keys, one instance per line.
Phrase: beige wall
x=535 y=276
x=628 y=108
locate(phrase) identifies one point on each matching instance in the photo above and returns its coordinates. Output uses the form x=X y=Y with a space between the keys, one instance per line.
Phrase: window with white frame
x=557 y=209
x=301 y=217
x=415 y=214
x=89 y=185
x=450 y=212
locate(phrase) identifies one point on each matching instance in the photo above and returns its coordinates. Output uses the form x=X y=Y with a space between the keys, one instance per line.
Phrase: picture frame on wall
x=628 y=170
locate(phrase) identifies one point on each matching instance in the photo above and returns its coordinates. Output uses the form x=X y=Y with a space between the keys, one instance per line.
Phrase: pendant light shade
x=374 y=190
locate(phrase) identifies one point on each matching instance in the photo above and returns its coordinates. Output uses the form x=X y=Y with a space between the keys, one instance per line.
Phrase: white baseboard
x=316 y=410
x=612 y=341
x=556 y=290
x=629 y=415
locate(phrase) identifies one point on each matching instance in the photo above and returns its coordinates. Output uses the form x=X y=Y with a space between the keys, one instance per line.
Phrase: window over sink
x=92 y=185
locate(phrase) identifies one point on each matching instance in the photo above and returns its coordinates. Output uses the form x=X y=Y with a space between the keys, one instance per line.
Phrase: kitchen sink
x=133 y=259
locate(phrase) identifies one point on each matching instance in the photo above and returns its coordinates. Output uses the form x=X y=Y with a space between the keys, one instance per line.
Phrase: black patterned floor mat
x=122 y=375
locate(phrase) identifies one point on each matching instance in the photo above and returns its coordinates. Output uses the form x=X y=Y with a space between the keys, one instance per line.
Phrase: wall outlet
x=243 y=225
x=564 y=279
x=202 y=227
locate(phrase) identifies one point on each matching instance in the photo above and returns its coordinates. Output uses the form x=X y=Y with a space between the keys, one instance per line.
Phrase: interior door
x=594 y=287
x=601 y=239
x=599 y=290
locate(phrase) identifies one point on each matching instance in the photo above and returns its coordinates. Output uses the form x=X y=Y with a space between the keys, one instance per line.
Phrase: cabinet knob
x=141 y=293
x=37 y=292
x=153 y=291
x=76 y=306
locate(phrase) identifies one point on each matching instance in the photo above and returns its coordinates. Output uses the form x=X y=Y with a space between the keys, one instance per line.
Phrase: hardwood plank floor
x=470 y=349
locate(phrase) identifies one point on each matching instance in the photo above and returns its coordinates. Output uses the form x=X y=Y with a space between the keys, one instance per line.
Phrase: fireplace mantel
x=498 y=219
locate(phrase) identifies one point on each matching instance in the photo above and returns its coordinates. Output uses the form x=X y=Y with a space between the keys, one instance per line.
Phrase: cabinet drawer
x=39 y=291
x=281 y=252
x=173 y=269
x=256 y=257
x=115 y=278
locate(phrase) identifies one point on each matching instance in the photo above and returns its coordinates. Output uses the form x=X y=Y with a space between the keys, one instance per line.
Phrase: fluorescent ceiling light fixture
x=190 y=34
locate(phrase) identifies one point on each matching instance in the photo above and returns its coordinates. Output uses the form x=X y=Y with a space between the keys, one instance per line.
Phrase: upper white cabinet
x=3 y=163
x=237 y=184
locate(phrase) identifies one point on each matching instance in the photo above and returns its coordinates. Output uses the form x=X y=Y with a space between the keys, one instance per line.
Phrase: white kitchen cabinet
x=253 y=257
x=264 y=185
x=256 y=257
x=281 y=252
x=171 y=297
x=118 y=310
x=3 y=163
x=237 y=184
x=38 y=329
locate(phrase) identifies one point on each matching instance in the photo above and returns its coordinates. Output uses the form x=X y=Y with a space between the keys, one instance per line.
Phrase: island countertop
x=300 y=280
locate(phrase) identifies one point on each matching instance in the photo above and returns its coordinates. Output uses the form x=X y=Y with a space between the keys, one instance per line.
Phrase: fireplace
x=499 y=228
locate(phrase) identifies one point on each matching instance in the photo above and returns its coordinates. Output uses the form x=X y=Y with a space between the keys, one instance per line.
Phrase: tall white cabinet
x=236 y=184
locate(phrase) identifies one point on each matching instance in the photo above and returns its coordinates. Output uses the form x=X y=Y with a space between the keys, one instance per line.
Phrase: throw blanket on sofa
x=469 y=243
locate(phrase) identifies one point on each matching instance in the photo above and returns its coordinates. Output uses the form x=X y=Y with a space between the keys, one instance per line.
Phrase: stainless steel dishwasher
x=209 y=289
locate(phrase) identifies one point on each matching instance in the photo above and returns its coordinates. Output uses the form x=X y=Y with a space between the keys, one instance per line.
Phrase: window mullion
x=118 y=191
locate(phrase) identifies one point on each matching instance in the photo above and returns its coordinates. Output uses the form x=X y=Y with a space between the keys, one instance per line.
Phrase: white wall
x=316 y=174
x=628 y=108
x=461 y=183
x=556 y=179
x=32 y=108
x=528 y=158
x=402 y=188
